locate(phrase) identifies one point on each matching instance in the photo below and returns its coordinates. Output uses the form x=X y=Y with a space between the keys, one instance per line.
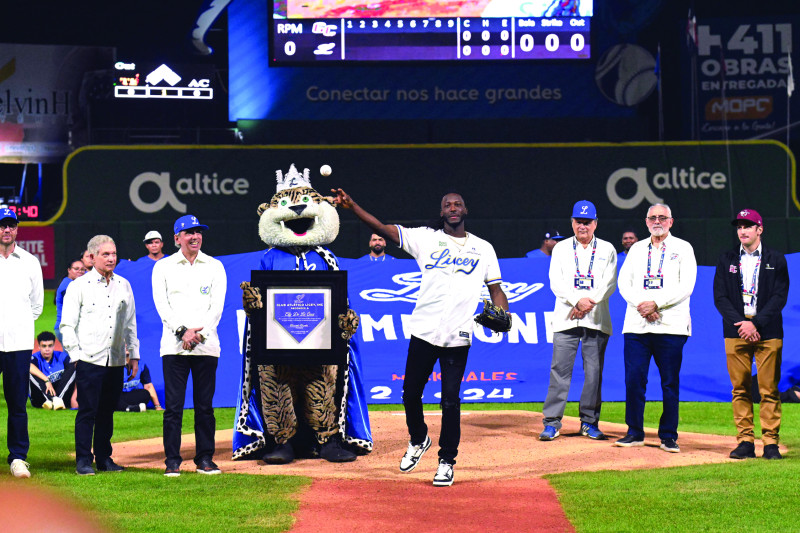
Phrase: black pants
x=204 y=379
x=63 y=387
x=99 y=388
x=15 y=367
x=133 y=399
x=419 y=365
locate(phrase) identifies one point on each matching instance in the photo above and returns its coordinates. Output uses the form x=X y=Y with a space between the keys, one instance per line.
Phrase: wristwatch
x=180 y=331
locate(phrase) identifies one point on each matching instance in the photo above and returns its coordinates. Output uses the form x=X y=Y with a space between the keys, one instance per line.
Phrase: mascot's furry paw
x=251 y=297
x=348 y=322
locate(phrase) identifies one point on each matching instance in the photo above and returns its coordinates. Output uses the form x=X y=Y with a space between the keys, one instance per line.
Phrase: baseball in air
x=325 y=170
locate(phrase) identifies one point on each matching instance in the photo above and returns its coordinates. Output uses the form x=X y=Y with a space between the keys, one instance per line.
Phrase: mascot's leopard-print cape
x=241 y=422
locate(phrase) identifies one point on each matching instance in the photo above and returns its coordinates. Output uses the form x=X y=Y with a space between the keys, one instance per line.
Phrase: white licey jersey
x=454 y=271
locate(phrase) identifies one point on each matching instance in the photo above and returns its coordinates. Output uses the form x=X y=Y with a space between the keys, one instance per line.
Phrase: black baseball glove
x=494 y=318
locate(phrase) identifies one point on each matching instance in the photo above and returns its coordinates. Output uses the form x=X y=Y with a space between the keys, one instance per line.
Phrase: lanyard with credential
x=584 y=282
x=654 y=281
x=591 y=261
x=660 y=264
x=751 y=292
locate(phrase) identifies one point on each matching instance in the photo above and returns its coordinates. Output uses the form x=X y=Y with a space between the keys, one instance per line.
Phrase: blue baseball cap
x=7 y=213
x=188 y=222
x=584 y=209
x=553 y=234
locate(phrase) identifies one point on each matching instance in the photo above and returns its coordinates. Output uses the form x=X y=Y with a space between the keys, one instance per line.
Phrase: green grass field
x=752 y=495
x=701 y=498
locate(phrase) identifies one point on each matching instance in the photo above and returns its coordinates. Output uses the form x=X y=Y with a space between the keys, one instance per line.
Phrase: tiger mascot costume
x=286 y=411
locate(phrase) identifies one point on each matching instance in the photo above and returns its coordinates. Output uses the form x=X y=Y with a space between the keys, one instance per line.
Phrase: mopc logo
x=200 y=184
x=675 y=178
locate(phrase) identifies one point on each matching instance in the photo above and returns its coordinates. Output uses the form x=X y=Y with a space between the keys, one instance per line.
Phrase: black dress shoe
x=745 y=450
x=282 y=454
x=771 y=452
x=84 y=469
x=333 y=452
x=108 y=465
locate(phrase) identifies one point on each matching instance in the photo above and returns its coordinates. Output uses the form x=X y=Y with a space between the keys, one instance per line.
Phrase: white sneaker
x=58 y=403
x=414 y=454
x=444 y=474
x=47 y=405
x=19 y=469
x=142 y=407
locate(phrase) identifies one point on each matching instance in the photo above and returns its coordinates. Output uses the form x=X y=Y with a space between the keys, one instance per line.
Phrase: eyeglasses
x=661 y=218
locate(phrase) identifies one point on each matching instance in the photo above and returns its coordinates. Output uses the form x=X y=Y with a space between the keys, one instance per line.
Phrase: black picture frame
x=272 y=343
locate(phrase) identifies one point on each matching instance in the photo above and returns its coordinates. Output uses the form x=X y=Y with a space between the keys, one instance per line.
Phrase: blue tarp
x=514 y=368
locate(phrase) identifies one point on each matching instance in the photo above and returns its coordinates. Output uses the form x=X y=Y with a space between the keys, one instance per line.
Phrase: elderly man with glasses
x=656 y=281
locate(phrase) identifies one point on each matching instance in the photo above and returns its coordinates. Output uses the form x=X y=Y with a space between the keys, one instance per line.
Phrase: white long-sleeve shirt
x=21 y=299
x=679 y=271
x=190 y=295
x=562 y=283
x=98 y=320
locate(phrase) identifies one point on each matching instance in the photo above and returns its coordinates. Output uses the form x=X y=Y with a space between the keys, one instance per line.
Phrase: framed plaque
x=299 y=322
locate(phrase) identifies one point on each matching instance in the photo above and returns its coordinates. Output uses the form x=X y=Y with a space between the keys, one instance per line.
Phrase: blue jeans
x=15 y=368
x=667 y=351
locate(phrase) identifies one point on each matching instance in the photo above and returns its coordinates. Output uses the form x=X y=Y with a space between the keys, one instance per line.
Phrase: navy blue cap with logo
x=188 y=222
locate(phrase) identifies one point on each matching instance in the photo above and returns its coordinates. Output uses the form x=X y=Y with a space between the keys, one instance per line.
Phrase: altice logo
x=675 y=178
x=200 y=184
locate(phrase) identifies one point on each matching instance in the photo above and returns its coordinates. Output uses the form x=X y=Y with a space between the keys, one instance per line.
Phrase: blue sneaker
x=591 y=431
x=549 y=433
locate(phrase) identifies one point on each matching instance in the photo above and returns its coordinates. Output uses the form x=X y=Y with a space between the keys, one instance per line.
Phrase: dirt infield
x=498 y=483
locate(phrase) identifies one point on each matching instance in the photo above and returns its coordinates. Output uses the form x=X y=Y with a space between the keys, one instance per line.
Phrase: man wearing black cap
x=189 y=293
x=21 y=304
x=751 y=286
x=551 y=238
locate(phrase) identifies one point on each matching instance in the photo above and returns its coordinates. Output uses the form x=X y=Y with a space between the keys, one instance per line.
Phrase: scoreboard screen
x=342 y=31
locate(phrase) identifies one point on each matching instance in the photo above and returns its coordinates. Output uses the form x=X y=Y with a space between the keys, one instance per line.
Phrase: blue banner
x=511 y=368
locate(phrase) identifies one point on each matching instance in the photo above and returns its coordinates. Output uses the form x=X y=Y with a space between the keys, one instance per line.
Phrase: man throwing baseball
x=455 y=266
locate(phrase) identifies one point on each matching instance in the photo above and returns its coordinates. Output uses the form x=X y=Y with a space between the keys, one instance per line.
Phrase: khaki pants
x=767 y=354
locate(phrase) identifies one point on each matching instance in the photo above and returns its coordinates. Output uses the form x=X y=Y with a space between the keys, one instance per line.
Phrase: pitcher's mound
x=494 y=445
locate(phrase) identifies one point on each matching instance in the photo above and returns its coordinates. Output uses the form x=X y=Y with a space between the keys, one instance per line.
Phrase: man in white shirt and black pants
x=583 y=275
x=98 y=322
x=21 y=303
x=189 y=292
x=656 y=281
x=455 y=267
